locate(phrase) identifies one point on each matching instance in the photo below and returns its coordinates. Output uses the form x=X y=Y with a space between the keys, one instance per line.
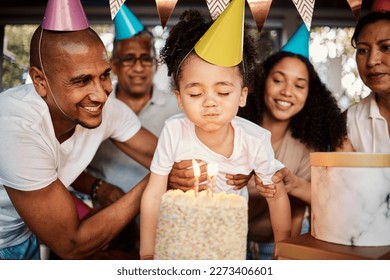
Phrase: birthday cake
x=201 y=226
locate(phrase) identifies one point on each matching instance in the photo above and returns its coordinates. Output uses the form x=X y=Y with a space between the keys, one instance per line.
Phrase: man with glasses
x=134 y=63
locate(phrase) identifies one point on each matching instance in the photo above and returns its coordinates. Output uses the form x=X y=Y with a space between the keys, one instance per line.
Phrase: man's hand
x=108 y=194
x=182 y=176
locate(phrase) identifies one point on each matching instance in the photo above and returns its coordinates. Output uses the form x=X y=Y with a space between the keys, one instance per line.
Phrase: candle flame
x=196 y=168
x=212 y=169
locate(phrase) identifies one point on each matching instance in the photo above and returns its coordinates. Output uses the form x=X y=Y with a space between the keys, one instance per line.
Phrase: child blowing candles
x=211 y=74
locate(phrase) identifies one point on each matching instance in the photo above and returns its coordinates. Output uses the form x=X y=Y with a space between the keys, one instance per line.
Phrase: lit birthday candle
x=196 y=168
x=209 y=172
x=212 y=171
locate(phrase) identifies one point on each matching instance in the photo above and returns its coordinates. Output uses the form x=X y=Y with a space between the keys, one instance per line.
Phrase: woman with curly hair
x=209 y=131
x=302 y=115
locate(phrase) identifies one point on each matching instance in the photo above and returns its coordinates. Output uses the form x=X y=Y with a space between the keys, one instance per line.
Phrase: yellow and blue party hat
x=126 y=24
x=222 y=44
x=299 y=42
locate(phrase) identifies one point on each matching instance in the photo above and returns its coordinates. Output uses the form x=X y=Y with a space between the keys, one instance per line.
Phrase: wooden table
x=306 y=247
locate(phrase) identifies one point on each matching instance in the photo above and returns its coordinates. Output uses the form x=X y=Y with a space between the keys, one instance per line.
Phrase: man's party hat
x=64 y=15
x=126 y=24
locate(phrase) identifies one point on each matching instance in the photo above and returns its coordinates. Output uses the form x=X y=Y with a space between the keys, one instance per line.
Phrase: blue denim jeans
x=265 y=251
x=259 y=251
x=28 y=250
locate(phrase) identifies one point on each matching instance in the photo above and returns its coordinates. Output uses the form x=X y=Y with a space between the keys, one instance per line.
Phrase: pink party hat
x=64 y=15
x=381 y=5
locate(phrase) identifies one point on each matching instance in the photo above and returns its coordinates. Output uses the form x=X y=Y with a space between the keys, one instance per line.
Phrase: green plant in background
x=326 y=44
x=15 y=67
x=17 y=54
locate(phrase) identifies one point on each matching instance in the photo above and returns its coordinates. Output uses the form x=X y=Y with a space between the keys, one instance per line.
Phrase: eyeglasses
x=131 y=60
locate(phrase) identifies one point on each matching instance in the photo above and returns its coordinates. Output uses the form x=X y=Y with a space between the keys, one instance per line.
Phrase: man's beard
x=85 y=125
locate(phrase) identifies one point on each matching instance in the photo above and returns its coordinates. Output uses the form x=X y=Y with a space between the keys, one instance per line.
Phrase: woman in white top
x=369 y=120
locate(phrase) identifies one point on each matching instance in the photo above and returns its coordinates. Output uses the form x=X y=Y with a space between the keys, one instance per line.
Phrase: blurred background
x=330 y=36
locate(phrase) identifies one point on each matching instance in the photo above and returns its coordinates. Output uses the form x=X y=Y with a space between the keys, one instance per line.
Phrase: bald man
x=49 y=132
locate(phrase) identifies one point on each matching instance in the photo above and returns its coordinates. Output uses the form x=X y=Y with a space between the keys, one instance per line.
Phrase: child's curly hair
x=186 y=33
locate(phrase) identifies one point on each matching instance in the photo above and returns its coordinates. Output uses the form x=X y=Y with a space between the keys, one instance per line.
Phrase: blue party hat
x=299 y=42
x=126 y=24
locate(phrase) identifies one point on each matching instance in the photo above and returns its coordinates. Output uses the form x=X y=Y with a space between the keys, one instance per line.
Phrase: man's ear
x=179 y=103
x=38 y=80
x=114 y=66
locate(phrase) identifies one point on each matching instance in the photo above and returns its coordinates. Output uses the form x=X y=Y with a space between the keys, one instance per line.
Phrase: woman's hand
x=238 y=180
x=346 y=146
x=283 y=175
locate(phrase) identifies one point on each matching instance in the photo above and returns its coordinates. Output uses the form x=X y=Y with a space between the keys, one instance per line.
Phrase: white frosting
x=203 y=227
